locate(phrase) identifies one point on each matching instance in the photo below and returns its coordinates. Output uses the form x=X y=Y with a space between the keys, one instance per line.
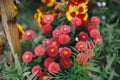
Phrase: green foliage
x=16 y=71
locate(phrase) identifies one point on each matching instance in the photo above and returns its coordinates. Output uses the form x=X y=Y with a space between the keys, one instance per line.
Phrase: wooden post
x=10 y=26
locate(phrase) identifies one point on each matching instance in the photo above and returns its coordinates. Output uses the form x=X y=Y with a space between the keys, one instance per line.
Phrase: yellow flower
x=20 y=31
x=48 y=3
x=77 y=8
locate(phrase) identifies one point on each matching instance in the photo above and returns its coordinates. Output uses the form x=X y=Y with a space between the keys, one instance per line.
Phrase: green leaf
x=32 y=76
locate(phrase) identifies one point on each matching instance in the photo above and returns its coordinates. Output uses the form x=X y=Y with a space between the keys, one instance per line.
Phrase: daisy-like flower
x=95 y=20
x=64 y=29
x=95 y=33
x=77 y=8
x=27 y=56
x=66 y=62
x=54 y=67
x=44 y=76
x=76 y=21
x=49 y=3
x=83 y=36
x=82 y=58
x=90 y=54
x=20 y=31
x=81 y=46
x=56 y=33
x=91 y=27
x=48 y=19
x=46 y=42
x=52 y=50
x=37 y=68
x=65 y=52
x=98 y=40
x=48 y=61
x=29 y=34
x=54 y=41
x=64 y=39
x=47 y=28
x=39 y=50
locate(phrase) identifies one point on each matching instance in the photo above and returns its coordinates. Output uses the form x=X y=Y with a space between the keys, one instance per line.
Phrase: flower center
x=52 y=50
x=48 y=18
x=81 y=46
x=27 y=56
x=28 y=33
x=65 y=52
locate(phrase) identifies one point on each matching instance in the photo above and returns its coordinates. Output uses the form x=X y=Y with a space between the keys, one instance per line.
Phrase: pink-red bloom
x=54 y=67
x=66 y=62
x=94 y=33
x=95 y=20
x=44 y=76
x=27 y=56
x=64 y=39
x=52 y=50
x=54 y=41
x=82 y=58
x=90 y=54
x=29 y=34
x=48 y=19
x=46 y=42
x=91 y=27
x=81 y=46
x=37 y=68
x=98 y=40
x=56 y=33
x=39 y=50
x=64 y=29
x=65 y=52
x=76 y=21
x=48 y=61
x=83 y=36
x=47 y=28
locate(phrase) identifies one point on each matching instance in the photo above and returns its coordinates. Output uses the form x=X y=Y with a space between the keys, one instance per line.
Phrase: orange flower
x=49 y=3
x=77 y=8
x=20 y=31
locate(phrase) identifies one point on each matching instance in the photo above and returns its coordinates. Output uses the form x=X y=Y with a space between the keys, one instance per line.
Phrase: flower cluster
x=75 y=40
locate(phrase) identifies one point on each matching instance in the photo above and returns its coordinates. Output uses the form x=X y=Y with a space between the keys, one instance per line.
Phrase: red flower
x=64 y=39
x=95 y=20
x=85 y=23
x=98 y=40
x=39 y=50
x=54 y=41
x=48 y=61
x=76 y=21
x=47 y=28
x=37 y=68
x=83 y=36
x=94 y=33
x=44 y=76
x=46 y=42
x=48 y=19
x=90 y=54
x=56 y=33
x=64 y=29
x=54 y=68
x=28 y=34
x=27 y=56
x=90 y=45
x=52 y=50
x=91 y=28
x=82 y=58
x=81 y=46
x=65 y=52
x=66 y=62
